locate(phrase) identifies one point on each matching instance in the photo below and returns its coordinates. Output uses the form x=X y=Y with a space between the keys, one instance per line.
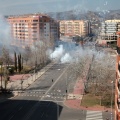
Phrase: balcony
x=118 y=50
x=118 y=87
x=118 y=104
x=119 y=67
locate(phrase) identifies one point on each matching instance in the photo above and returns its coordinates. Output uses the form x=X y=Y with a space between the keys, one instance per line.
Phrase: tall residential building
x=117 y=83
x=74 y=27
x=108 y=30
x=27 y=29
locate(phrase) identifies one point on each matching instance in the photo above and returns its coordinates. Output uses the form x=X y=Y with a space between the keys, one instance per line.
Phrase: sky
x=11 y=7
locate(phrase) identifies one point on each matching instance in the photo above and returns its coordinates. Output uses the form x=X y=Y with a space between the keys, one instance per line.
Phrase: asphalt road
x=43 y=100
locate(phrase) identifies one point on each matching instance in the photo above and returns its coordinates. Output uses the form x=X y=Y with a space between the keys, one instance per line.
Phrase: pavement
x=44 y=99
x=22 y=82
x=75 y=98
x=18 y=82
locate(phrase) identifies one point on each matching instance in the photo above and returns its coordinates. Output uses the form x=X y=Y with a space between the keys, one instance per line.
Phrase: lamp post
x=111 y=99
x=1 y=74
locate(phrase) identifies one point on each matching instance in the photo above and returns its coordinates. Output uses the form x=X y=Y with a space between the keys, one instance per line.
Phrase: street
x=43 y=100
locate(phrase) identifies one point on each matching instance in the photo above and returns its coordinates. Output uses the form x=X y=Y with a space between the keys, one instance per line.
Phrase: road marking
x=94 y=115
x=55 y=82
x=52 y=101
x=20 y=108
x=11 y=117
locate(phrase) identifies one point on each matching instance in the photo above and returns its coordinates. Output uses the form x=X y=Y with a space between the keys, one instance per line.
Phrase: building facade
x=27 y=29
x=74 y=27
x=108 y=30
x=117 y=83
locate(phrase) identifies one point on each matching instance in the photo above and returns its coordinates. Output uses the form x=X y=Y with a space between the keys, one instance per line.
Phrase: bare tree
x=76 y=69
x=27 y=54
x=101 y=74
x=6 y=60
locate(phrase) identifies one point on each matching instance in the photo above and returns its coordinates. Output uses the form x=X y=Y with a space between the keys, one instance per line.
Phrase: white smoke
x=5 y=37
x=68 y=53
x=66 y=58
x=57 y=53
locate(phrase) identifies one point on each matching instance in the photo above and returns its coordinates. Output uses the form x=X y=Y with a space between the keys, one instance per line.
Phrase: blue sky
x=32 y=6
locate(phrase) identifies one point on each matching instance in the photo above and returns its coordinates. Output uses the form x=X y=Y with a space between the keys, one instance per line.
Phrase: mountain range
x=88 y=15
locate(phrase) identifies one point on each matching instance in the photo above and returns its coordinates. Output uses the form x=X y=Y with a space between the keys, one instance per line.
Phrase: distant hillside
x=89 y=15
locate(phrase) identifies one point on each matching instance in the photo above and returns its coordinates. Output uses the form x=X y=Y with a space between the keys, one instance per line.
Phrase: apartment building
x=74 y=27
x=117 y=83
x=108 y=31
x=27 y=29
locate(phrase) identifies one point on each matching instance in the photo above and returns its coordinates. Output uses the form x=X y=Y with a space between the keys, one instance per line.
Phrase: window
x=35 y=20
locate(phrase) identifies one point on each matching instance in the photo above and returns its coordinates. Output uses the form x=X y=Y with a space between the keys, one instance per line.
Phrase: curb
x=17 y=93
x=71 y=107
x=87 y=108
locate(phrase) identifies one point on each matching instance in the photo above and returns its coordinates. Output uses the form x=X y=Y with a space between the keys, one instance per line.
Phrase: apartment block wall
x=74 y=27
x=27 y=29
x=117 y=83
x=109 y=29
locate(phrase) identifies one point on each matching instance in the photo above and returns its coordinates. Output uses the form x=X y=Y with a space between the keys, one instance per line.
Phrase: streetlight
x=1 y=74
x=111 y=99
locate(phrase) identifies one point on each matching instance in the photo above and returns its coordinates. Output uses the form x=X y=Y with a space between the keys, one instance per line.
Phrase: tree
x=102 y=72
x=6 y=61
x=27 y=54
x=15 y=61
x=5 y=56
x=19 y=63
x=76 y=70
x=22 y=63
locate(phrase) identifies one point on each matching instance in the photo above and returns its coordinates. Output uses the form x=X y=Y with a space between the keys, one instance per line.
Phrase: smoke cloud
x=69 y=52
x=66 y=58
x=58 y=53
x=4 y=31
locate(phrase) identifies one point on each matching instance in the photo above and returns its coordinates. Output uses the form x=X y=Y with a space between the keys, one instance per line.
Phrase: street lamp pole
x=1 y=74
x=111 y=99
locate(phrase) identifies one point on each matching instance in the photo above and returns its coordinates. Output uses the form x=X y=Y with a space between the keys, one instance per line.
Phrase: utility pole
x=111 y=99
x=1 y=74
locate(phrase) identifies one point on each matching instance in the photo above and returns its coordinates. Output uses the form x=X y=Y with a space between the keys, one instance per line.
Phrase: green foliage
x=90 y=100
x=106 y=100
x=26 y=69
x=15 y=61
x=11 y=70
x=19 y=63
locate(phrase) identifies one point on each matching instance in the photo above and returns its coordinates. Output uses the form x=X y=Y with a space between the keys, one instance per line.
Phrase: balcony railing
x=118 y=87
x=118 y=50
x=119 y=67
x=118 y=103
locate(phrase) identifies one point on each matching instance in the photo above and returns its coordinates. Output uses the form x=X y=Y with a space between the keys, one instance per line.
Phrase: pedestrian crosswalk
x=34 y=93
x=41 y=96
x=94 y=115
x=43 y=92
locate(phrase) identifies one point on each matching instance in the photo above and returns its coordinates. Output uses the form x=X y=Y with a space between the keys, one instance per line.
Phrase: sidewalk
x=23 y=81
x=75 y=98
